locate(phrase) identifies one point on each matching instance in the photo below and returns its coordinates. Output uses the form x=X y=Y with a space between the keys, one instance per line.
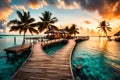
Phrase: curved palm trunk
x=74 y=35
x=23 y=39
x=107 y=36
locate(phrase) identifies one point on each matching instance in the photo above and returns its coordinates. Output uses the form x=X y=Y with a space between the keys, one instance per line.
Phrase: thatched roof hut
x=62 y=31
x=117 y=34
x=51 y=31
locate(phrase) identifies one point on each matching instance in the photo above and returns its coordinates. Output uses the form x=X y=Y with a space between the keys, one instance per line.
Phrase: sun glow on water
x=98 y=61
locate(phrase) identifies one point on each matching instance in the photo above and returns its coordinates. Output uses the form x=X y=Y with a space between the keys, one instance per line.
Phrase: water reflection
x=102 y=43
x=100 y=59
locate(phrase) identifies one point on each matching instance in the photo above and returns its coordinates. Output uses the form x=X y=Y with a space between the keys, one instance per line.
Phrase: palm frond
x=41 y=28
x=77 y=29
x=54 y=27
x=42 y=18
x=21 y=30
x=99 y=30
x=14 y=28
x=31 y=20
x=16 y=22
x=77 y=32
x=25 y=30
x=109 y=29
x=98 y=27
x=34 y=25
x=32 y=30
x=26 y=16
x=53 y=20
x=20 y=15
x=47 y=15
x=39 y=24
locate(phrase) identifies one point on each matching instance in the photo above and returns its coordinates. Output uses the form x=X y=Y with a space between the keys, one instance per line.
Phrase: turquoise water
x=100 y=59
x=50 y=50
x=8 y=68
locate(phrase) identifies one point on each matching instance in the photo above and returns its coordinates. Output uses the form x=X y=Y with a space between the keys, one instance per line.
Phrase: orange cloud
x=62 y=4
x=87 y=22
x=36 y=4
x=5 y=10
x=9 y=0
x=4 y=13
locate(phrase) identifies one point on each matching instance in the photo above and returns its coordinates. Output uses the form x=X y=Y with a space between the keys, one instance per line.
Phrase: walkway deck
x=39 y=66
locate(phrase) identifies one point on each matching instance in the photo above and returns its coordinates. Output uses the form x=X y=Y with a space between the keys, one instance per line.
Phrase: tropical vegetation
x=25 y=23
x=72 y=30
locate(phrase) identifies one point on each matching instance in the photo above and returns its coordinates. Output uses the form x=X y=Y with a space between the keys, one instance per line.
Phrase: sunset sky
x=86 y=14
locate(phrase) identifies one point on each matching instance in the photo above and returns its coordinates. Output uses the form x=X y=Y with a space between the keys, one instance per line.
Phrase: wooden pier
x=39 y=66
x=16 y=49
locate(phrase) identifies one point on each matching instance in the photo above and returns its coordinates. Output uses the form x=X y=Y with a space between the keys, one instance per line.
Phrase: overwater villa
x=117 y=36
x=56 y=34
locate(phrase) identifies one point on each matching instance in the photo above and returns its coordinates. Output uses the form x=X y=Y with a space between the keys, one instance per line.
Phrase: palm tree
x=73 y=30
x=47 y=21
x=23 y=24
x=66 y=28
x=104 y=27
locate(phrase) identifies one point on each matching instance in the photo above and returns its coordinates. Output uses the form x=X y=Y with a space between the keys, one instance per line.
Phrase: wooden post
x=15 y=56
x=7 y=55
x=30 y=40
x=14 y=40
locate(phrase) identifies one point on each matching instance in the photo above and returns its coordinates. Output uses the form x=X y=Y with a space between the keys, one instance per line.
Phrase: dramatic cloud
x=36 y=4
x=87 y=22
x=5 y=9
x=117 y=9
x=105 y=8
x=19 y=7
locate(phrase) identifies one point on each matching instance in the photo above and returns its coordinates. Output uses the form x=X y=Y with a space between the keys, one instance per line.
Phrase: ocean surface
x=100 y=59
